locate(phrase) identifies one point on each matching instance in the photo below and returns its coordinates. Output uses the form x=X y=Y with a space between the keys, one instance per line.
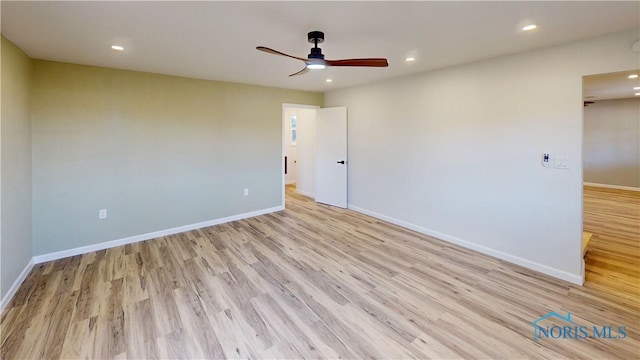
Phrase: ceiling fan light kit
x=316 y=66
x=316 y=61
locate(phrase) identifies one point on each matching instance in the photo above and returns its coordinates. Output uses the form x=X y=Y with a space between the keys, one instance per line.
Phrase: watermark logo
x=571 y=330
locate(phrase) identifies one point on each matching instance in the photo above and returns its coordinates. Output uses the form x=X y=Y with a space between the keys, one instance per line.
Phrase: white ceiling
x=610 y=86
x=217 y=40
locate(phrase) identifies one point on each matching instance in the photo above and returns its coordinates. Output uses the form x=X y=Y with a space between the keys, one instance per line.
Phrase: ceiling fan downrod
x=316 y=37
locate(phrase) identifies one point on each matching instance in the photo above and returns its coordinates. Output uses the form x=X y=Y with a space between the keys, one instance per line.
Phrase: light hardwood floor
x=613 y=254
x=312 y=282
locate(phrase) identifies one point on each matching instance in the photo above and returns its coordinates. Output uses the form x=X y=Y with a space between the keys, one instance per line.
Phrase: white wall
x=306 y=174
x=15 y=140
x=612 y=142
x=456 y=152
x=290 y=150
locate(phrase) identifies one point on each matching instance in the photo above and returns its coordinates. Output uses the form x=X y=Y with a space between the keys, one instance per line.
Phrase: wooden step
x=586 y=237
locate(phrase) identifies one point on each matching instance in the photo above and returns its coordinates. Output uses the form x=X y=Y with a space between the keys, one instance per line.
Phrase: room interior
x=611 y=168
x=611 y=133
x=106 y=151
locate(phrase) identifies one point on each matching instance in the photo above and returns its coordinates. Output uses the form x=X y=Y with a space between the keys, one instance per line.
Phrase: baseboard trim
x=16 y=284
x=290 y=182
x=306 y=193
x=572 y=278
x=152 y=235
x=617 y=187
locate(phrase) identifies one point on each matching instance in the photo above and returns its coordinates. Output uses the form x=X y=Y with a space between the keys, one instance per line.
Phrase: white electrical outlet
x=102 y=214
x=246 y=192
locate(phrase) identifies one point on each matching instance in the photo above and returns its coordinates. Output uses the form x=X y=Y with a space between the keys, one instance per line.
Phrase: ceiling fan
x=315 y=60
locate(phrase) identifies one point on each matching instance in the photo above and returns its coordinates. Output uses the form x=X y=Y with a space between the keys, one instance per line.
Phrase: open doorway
x=315 y=153
x=299 y=149
x=611 y=175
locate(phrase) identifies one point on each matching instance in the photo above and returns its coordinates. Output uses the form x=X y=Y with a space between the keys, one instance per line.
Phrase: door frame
x=286 y=106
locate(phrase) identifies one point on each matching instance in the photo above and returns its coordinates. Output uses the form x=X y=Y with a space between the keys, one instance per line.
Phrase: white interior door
x=331 y=156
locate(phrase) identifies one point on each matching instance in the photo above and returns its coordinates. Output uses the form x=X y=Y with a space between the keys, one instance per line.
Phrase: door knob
x=340 y=162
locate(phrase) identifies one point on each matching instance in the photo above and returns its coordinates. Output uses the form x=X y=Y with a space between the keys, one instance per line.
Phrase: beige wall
x=612 y=142
x=15 y=172
x=457 y=152
x=156 y=151
x=306 y=152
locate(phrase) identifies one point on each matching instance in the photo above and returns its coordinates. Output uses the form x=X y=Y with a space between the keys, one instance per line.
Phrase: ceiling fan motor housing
x=316 y=53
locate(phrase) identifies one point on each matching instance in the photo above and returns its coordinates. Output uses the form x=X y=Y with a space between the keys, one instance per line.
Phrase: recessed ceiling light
x=636 y=88
x=410 y=59
x=329 y=80
x=633 y=76
x=117 y=47
x=529 y=27
x=637 y=94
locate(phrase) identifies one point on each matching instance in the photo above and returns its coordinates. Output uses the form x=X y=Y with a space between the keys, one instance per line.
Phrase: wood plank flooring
x=612 y=262
x=316 y=282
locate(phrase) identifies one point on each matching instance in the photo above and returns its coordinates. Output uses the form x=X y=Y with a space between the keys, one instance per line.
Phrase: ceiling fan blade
x=301 y=72
x=369 y=62
x=276 y=52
